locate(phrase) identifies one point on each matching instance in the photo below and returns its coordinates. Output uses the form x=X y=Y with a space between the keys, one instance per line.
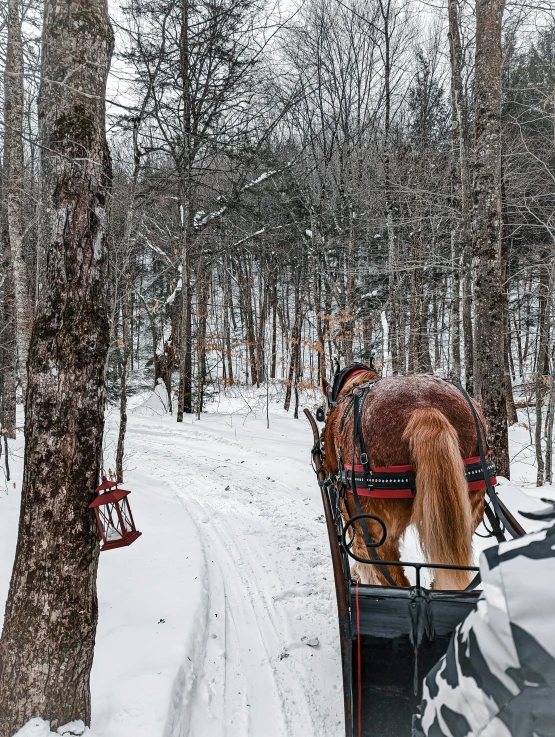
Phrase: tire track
x=255 y=680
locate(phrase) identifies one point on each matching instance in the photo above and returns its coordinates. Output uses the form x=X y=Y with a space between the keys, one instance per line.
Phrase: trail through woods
x=220 y=620
x=267 y=580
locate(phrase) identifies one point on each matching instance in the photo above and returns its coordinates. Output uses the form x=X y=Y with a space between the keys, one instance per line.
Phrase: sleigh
x=390 y=637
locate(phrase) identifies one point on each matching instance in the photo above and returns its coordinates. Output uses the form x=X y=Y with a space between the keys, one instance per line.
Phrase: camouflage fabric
x=497 y=678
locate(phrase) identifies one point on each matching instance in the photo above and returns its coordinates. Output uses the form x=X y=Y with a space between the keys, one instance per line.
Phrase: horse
x=420 y=420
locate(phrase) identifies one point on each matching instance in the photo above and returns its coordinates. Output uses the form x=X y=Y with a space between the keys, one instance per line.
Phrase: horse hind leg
x=370 y=574
x=390 y=551
x=364 y=573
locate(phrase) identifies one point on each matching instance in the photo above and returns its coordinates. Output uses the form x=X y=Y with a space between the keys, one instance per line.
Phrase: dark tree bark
x=512 y=416
x=51 y=613
x=455 y=308
x=203 y=293
x=244 y=275
x=461 y=136
x=489 y=346
x=13 y=85
x=8 y=350
x=542 y=358
x=228 y=311
x=185 y=401
x=274 y=331
x=260 y=338
x=126 y=317
x=294 y=356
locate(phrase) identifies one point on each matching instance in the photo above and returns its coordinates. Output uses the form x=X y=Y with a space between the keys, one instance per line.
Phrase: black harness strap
x=394 y=479
x=359 y=395
x=490 y=490
x=342 y=376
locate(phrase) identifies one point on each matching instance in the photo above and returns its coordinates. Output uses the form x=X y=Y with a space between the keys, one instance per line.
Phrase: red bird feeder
x=113 y=515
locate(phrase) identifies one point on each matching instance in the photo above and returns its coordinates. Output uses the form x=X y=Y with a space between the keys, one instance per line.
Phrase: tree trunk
x=8 y=344
x=542 y=357
x=45 y=660
x=260 y=340
x=550 y=417
x=203 y=293
x=294 y=355
x=13 y=85
x=489 y=352
x=460 y=132
x=246 y=295
x=127 y=299
x=126 y=317
x=455 y=309
x=227 y=331
x=274 y=332
x=185 y=401
x=294 y=361
x=350 y=306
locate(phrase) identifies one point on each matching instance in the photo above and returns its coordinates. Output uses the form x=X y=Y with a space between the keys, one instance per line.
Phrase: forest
x=210 y=194
x=295 y=187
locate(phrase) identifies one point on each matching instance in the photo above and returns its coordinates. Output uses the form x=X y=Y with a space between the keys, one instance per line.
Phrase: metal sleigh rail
x=389 y=637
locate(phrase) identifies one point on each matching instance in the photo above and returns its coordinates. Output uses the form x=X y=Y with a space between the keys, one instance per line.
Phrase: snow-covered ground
x=220 y=619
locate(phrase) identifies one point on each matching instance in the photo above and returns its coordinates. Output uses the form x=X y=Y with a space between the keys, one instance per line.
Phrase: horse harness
x=396 y=482
x=399 y=482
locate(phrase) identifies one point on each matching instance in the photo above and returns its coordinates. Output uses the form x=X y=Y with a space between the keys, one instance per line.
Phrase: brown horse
x=423 y=421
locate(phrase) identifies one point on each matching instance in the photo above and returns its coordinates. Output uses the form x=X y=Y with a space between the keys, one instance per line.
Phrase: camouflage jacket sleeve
x=497 y=678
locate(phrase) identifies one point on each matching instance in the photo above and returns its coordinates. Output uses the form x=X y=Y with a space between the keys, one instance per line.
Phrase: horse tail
x=441 y=511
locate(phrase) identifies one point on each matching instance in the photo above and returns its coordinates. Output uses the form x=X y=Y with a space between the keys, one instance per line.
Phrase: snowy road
x=220 y=620
x=266 y=589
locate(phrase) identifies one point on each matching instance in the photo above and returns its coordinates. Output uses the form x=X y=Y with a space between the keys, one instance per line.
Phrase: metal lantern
x=113 y=515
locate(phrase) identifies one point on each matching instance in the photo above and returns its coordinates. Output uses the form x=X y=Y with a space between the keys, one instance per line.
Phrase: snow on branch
x=201 y=218
x=171 y=299
x=248 y=237
x=155 y=248
x=261 y=178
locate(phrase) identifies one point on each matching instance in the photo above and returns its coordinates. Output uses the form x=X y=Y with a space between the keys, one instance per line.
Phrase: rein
x=359 y=395
x=514 y=529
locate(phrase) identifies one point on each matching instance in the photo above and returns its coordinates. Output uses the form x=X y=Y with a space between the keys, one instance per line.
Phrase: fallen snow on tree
x=40 y=728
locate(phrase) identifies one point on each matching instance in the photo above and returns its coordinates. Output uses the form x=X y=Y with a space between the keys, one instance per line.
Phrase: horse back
x=386 y=412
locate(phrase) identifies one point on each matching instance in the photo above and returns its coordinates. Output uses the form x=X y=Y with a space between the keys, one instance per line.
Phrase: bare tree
x=13 y=143
x=58 y=543
x=462 y=246
x=489 y=346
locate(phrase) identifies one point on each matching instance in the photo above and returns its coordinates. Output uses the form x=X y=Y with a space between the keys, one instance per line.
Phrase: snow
x=40 y=728
x=265 y=175
x=201 y=218
x=171 y=299
x=220 y=619
x=155 y=248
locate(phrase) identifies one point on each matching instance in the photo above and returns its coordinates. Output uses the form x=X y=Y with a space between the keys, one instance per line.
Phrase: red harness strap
x=356 y=373
x=396 y=472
